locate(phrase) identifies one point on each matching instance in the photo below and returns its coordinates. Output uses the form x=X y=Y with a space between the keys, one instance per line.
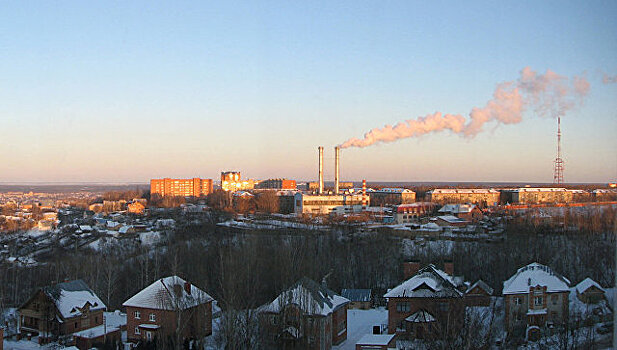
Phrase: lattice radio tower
x=558 y=170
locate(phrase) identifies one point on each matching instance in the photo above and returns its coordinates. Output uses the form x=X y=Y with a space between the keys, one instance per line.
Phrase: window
x=76 y=325
x=517 y=301
x=538 y=301
x=152 y=318
x=137 y=315
x=148 y=335
x=555 y=299
x=137 y=331
x=443 y=307
x=403 y=307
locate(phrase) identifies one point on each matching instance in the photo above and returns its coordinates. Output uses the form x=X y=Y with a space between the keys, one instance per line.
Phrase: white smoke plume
x=548 y=94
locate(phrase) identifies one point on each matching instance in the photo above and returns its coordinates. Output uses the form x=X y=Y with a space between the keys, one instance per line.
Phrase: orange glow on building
x=194 y=187
x=232 y=181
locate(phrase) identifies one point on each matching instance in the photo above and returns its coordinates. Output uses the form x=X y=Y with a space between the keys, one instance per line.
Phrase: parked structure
x=306 y=316
x=194 y=187
x=61 y=309
x=168 y=307
x=391 y=196
x=484 y=196
x=535 y=297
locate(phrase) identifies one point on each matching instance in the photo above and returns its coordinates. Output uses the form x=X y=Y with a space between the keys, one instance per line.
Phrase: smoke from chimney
x=548 y=94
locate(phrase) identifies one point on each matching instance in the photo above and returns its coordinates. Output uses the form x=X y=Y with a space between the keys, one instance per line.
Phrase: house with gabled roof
x=61 y=309
x=308 y=315
x=535 y=297
x=430 y=300
x=167 y=307
x=420 y=307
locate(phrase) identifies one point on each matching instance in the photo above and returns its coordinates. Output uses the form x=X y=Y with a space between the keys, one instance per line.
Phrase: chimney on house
x=448 y=267
x=410 y=268
x=187 y=287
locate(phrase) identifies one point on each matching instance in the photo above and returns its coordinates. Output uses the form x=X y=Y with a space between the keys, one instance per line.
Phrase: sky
x=133 y=90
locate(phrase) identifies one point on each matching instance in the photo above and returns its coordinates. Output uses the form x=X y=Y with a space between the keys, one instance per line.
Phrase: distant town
x=95 y=268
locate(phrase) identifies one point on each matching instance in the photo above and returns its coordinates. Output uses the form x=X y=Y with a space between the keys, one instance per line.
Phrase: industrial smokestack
x=336 y=164
x=320 y=170
x=364 y=201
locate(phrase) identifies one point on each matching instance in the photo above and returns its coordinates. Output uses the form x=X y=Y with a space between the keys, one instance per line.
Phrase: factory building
x=464 y=195
x=327 y=204
x=391 y=196
x=537 y=195
x=194 y=187
x=277 y=184
x=603 y=195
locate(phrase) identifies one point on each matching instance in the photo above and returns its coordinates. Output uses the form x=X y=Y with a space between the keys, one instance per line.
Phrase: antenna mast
x=558 y=170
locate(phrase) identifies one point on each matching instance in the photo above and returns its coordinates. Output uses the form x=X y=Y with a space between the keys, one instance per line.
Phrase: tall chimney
x=364 y=201
x=320 y=170
x=336 y=164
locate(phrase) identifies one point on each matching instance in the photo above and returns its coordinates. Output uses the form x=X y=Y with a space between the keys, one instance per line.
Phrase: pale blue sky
x=128 y=91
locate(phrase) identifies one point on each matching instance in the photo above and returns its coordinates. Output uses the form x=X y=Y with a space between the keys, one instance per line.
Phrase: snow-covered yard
x=361 y=322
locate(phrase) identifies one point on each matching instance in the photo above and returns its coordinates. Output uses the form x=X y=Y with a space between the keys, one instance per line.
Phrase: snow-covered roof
x=429 y=282
x=535 y=274
x=480 y=284
x=420 y=316
x=451 y=219
x=312 y=298
x=375 y=339
x=168 y=294
x=463 y=190
x=72 y=296
x=393 y=190
x=457 y=208
x=539 y=189
x=586 y=284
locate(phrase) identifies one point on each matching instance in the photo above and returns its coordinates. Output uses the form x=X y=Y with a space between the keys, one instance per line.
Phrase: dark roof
x=319 y=293
x=357 y=294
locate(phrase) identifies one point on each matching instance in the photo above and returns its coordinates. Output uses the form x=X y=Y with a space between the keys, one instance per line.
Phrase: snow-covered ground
x=361 y=322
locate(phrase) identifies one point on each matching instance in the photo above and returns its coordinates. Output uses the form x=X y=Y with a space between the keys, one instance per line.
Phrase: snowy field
x=361 y=322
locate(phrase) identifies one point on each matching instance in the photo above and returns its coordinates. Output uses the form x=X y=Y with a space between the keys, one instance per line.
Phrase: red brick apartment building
x=194 y=187
x=306 y=316
x=62 y=309
x=165 y=306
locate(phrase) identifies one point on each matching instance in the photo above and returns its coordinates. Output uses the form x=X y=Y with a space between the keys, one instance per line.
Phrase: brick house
x=535 y=297
x=308 y=316
x=166 y=307
x=61 y=309
x=429 y=300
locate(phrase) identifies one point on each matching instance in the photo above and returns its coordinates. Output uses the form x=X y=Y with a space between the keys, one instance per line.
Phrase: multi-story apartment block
x=232 y=181
x=277 y=184
x=535 y=297
x=391 y=196
x=411 y=213
x=306 y=316
x=464 y=195
x=536 y=195
x=194 y=187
